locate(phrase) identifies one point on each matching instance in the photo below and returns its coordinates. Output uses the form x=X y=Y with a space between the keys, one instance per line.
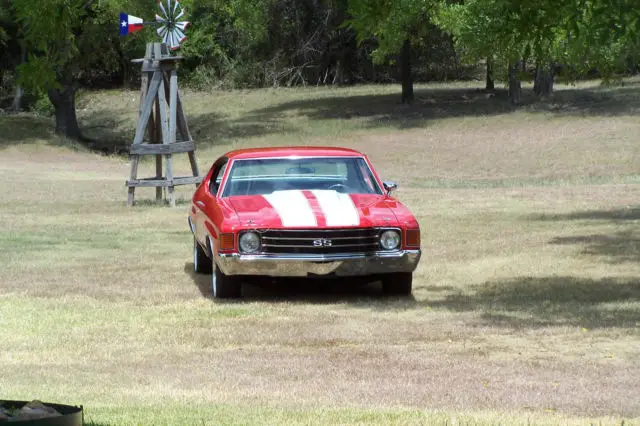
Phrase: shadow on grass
x=520 y=302
x=619 y=247
x=110 y=133
x=23 y=129
x=307 y=291
x=201 y=281
x=434 y=103
x=386 y=110
x=552 y=301
x=26 y=128
x=625 y=214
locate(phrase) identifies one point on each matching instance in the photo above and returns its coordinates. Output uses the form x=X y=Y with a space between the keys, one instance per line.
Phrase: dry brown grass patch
x=526 y=303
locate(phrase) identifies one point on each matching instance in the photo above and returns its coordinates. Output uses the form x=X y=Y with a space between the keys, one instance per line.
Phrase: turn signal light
x=413 y=237
x=226 y=241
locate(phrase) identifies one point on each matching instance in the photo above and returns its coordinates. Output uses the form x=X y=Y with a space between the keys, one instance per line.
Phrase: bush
x=43 y=106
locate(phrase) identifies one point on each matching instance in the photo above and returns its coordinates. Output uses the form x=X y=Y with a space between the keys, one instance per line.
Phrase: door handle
x=200 y=203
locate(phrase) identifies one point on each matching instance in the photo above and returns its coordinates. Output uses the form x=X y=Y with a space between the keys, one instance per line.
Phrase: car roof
x=293 y=151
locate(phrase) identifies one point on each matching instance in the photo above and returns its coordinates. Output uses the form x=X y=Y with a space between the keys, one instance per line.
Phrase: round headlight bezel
x=397 y=238
x=242 y=241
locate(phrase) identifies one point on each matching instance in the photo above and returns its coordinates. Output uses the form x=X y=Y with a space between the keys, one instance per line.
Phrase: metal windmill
x=161 y=119
x=170 y=28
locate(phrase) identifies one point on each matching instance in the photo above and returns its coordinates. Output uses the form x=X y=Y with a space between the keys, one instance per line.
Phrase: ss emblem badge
x=322 y=242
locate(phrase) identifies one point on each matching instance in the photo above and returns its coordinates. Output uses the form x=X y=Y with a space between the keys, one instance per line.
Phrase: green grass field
x=526 y=304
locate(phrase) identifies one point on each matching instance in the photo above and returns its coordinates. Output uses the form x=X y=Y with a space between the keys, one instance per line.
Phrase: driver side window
x=216 y=178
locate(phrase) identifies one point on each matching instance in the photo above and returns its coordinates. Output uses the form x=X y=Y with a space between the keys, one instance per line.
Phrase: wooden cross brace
x=159 y=82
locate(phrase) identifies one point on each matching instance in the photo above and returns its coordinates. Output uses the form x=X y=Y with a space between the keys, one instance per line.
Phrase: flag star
x=124 y=23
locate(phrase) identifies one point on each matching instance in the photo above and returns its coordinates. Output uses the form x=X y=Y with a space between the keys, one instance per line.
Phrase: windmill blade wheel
x=171 y=31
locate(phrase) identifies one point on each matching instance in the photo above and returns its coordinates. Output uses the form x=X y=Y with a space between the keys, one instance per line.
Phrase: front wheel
x=224 y=286
x=397 y=284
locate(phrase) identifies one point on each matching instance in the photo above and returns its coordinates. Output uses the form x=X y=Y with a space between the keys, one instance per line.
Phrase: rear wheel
x=201 y=263
x=224 y=286
x=397 y=284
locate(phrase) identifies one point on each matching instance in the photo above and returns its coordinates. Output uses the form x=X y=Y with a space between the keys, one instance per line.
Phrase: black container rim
x=71 y=415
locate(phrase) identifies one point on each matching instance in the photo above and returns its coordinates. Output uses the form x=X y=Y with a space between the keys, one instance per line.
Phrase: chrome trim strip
x=318 y=257
x=324 y=247
x=191 y=225
x=328 y=265
x=316 y=237
x=361 y=239
x=331 y=230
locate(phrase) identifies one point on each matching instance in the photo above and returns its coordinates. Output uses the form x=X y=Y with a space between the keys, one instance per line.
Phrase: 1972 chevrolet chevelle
x=300 y=212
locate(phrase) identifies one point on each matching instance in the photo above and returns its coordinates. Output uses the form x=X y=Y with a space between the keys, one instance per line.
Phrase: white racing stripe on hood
x=292 y=207
x=338 y=209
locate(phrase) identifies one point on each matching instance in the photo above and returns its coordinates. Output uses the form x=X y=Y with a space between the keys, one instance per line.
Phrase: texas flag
x=129 y=24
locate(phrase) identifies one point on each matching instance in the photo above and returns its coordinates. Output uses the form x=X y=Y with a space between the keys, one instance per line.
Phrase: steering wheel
x=335 y=187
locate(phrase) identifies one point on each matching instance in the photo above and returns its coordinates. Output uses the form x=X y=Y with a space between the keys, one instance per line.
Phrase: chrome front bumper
x=340 y=265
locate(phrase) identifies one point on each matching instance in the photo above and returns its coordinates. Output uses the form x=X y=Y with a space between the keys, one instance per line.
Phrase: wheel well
x=209 y=247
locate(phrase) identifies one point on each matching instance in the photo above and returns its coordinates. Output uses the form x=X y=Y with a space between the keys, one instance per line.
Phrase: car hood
x=313 y=209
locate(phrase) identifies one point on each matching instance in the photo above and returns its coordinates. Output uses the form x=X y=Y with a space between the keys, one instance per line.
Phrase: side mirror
x=389 y=186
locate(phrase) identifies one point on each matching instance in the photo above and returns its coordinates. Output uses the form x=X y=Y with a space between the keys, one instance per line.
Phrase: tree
x=578 y=34
x=269 y=42
x=66 y=39
x=15 y=50
x=602 y=35
x=12 y=48
x=394 y=24
x=488 y=30
x=5 y=20
x=506 y=32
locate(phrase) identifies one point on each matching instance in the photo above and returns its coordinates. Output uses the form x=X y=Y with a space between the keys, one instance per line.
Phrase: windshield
x=263 y=176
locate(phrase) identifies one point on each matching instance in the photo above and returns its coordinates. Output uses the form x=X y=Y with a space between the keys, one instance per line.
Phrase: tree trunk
x=490 y=86
x=16 y=105
x=64 y=102
x=543 y=84
x=339 y=74
x=348 y=54
x=515 y=88
x=405 y=73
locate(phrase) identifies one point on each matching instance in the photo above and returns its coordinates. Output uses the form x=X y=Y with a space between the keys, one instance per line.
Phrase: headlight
x=390 y=240
x=249 y=242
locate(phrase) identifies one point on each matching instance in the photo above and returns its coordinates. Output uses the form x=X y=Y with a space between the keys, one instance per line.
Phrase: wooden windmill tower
x=162 y=129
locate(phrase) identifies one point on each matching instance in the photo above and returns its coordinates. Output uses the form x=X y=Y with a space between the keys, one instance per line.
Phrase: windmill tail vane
x=170 y=30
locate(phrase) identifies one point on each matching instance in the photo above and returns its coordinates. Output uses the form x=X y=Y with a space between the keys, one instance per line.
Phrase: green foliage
x=223 y=37
x=5 y=21
x=503 y=30
x=580 y=34
x=390 y=22
x=66 y=40
x=43 y=106
x=248 y=43
x=251 y=20
x=603 y=34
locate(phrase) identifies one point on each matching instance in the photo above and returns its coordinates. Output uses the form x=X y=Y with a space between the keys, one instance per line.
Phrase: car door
x=209 y=217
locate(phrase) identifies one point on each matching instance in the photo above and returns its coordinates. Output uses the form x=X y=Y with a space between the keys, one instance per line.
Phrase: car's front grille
x=321 y=241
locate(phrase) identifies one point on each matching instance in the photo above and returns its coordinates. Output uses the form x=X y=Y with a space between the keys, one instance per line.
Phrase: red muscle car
x=300 y=212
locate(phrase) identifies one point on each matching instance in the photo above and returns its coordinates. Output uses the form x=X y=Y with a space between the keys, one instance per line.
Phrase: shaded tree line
x=48 y=50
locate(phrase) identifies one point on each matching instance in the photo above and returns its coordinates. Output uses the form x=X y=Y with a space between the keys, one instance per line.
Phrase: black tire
x=397 y=284
x=224 y=286
x=201 y=263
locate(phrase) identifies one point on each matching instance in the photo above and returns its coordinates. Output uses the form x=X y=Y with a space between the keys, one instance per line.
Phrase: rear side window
x=216 y=177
